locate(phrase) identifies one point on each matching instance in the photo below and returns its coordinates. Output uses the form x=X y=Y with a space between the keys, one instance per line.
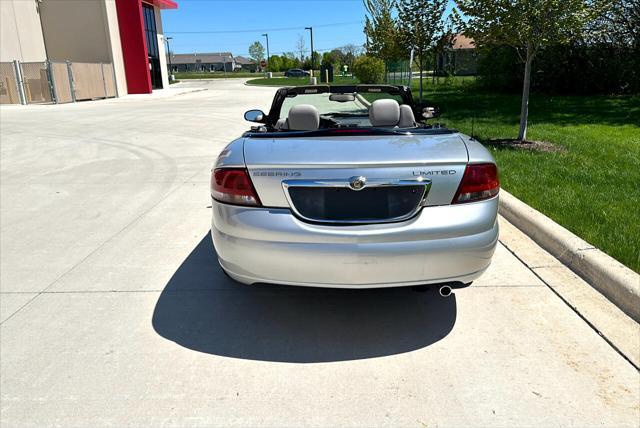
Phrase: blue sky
x=336 y=23
x=232 y=25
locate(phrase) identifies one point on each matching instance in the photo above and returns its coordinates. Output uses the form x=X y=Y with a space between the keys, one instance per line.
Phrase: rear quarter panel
x=232 y=156
x=477 y=152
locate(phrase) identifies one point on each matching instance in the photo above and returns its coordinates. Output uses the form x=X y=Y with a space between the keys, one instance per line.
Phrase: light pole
x=313 y=62
x=169 y=50
x=267 y=36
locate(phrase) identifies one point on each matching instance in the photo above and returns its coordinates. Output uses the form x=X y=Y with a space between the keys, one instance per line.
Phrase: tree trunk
x=435 y=69
x=420 y=65
x=524 y=108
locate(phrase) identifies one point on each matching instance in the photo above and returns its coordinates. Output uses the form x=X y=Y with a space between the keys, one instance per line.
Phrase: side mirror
x=429 y=112
x=254 y=116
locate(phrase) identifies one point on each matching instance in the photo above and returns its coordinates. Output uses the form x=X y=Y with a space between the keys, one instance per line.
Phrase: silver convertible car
x=340 y=186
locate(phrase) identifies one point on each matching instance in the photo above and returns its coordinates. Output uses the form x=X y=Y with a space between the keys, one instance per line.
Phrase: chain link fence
x=398 y=72
x=36 y=82
x=8 y=84
x=55 y=82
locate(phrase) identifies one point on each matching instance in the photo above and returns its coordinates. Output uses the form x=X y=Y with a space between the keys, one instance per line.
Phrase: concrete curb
x=248 y=79
x=615 y=281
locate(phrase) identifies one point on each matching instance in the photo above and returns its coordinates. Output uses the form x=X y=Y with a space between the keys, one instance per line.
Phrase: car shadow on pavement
x=202 y=309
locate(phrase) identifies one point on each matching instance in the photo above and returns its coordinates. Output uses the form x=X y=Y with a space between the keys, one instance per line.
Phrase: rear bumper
x=442 y=244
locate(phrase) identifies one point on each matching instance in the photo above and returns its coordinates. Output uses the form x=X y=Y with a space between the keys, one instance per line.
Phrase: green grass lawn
x=593 y=187
x=297 y=81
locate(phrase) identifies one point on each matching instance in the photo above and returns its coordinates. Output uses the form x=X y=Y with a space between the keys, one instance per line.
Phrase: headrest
x=407 y=119
x=384 y=113
x=303 y=117
x=282 y=124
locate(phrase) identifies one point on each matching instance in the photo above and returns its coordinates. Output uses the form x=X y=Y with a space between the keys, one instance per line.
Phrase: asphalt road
x=115 y=312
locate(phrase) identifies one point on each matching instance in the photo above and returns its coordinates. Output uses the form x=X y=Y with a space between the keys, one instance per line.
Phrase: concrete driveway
x=115 y=312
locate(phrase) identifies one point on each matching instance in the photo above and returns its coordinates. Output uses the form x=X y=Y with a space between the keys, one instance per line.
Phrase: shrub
x=369 y=70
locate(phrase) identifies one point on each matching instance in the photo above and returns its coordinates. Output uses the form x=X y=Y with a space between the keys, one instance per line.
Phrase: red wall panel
x=134 y=46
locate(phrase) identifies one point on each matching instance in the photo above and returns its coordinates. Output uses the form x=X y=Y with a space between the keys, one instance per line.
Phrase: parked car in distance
x=340 y=186
x=296 y=72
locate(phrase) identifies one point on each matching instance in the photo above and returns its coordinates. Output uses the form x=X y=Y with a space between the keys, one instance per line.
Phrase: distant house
x=245 y=64
x=203 y=62
x=459 y=57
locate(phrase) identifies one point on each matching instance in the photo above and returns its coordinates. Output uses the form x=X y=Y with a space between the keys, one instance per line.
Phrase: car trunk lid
x=277 y=164
x=354 y=150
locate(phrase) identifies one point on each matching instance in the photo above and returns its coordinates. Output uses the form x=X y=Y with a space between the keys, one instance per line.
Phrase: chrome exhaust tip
x=445 y=291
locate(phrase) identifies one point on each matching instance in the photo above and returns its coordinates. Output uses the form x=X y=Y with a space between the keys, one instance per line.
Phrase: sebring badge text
x=277 y=174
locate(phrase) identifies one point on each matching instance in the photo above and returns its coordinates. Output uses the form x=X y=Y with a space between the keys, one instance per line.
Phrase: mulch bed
x=536 y=146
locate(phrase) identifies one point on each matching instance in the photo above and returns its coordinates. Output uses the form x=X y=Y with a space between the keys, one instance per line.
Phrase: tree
x=256 y=52
x=289 y=61
x=351 y=51
x=301 y=47
x=619 y=24
x=526 y=25
x=328 y=59
x=368 y=69
x=307 y=64
x=381 y=29
x=275 y=63
x=284 y=63
x=338 y=57
x=422 y=25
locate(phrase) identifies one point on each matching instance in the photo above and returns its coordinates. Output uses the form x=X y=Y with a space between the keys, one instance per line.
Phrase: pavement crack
x=574 y=309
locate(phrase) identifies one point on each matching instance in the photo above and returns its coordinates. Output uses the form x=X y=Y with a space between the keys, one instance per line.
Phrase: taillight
x=480 y=181
x=233 y=186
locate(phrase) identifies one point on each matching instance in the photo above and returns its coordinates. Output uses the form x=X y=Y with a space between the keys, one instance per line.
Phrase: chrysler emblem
x=357 y=183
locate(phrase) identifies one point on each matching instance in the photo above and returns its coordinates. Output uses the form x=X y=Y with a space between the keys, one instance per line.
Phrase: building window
x=151 y=35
